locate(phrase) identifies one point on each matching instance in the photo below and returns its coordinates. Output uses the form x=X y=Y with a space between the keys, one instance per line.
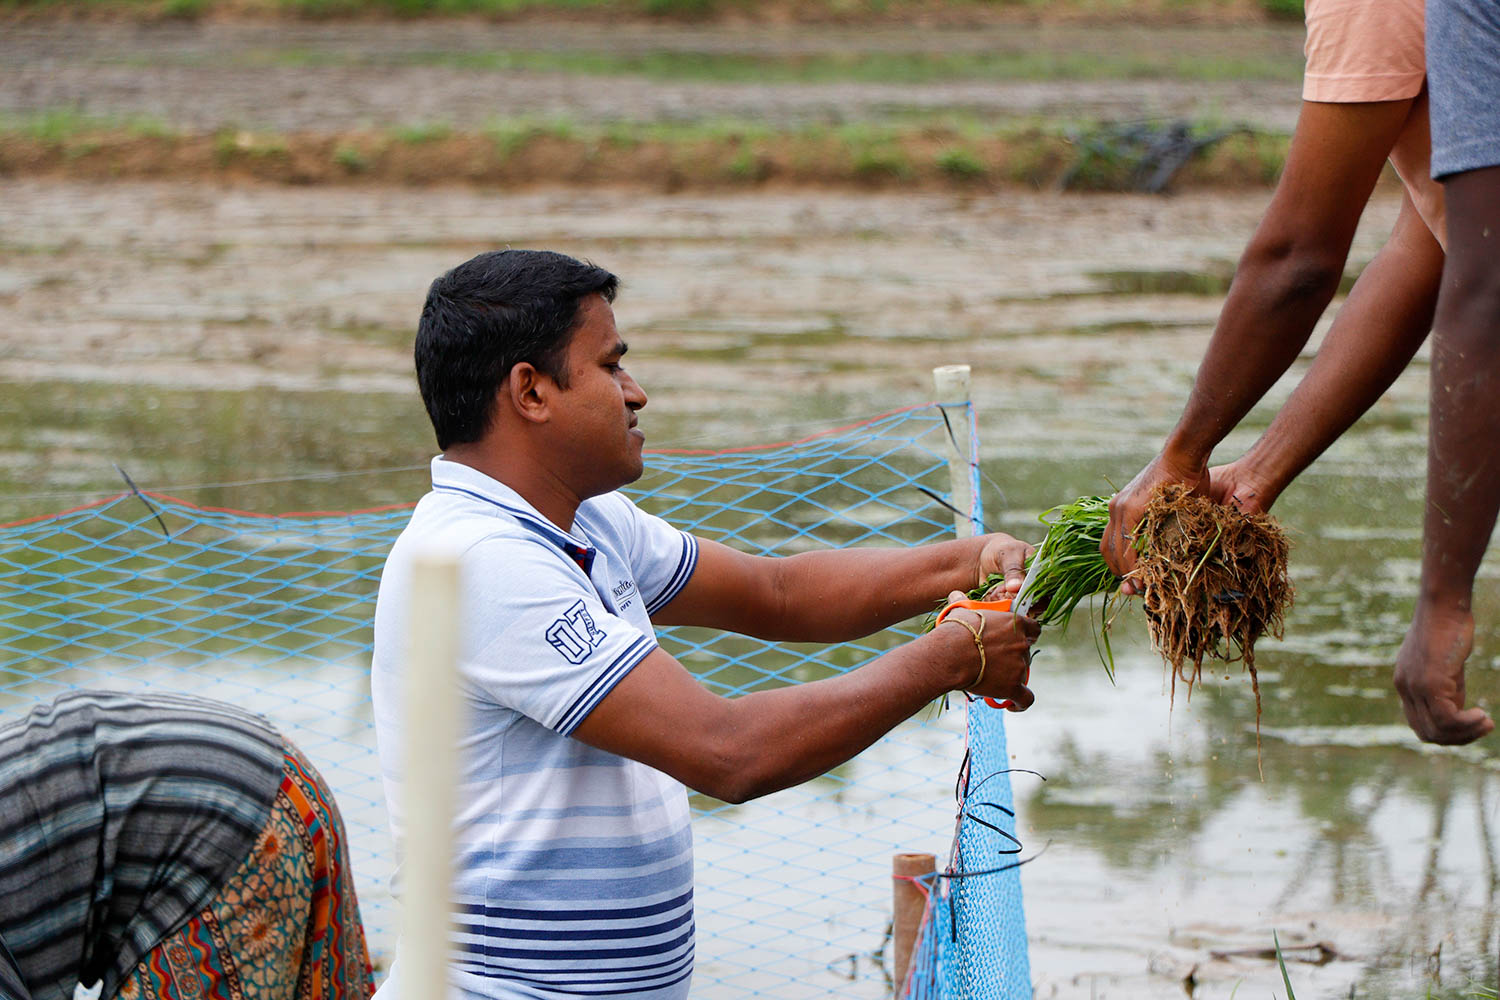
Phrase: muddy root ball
x=1214 y=580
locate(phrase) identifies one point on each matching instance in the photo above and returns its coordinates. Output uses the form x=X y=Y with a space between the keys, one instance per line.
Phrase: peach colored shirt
x=1373 y=50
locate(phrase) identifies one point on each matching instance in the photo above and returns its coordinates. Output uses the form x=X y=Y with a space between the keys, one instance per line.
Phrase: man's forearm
x=1291 y=269
x=796 y=733
x=1268 y=316
x=840 y=594
x=1374 y=336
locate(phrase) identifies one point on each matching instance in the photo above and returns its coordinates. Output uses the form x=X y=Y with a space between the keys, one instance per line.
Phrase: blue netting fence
x=143 y=591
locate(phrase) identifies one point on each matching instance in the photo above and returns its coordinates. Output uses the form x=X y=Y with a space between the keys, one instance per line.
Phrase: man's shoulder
x=467 y=528
x=618 y=514
x=445 y=517
x=611 y=511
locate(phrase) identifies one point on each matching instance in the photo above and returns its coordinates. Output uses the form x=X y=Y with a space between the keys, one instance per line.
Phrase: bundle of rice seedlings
x=1065 y=570
x=1213 y=581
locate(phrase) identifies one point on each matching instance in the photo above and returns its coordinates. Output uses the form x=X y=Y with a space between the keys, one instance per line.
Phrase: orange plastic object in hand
x=1001 y=605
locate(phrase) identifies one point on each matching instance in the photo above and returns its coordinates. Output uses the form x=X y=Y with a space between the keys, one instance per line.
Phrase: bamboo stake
x=908 y=903
x=952 y=383
x=431 y=778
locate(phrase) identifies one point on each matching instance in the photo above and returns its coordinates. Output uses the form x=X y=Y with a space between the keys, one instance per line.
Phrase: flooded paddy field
x=297 y=77
x=250 y=348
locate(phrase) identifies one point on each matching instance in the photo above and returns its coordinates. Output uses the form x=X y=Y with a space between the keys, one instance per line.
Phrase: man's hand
x=1007 y=642
x=1430 y=678
x=1235 y=485
x=1127 y=506
x=1005 y=555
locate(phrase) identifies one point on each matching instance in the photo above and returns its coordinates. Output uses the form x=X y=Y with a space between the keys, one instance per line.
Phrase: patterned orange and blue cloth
x=286 y=925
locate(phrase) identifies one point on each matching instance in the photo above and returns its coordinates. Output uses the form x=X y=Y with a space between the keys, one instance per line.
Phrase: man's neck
x=535 y=483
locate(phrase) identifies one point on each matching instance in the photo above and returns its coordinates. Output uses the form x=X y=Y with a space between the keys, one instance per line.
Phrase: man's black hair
x=488 y=315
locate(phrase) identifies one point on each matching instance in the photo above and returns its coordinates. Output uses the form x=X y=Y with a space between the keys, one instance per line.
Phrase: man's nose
x=635 y=396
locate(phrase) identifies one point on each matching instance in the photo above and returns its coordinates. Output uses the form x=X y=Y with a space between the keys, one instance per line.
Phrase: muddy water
x=216 y=343
x=291 y=77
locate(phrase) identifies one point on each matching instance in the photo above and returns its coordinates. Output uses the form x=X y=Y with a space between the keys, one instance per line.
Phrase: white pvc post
x=431 y=776
x=952 y=383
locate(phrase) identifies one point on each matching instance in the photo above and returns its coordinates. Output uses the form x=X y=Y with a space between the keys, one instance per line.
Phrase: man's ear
x=528 y=392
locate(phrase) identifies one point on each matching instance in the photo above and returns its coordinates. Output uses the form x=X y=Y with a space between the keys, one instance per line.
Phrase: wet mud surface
x=301 y=77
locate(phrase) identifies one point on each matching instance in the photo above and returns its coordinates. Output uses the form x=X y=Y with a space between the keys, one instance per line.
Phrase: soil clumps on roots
x=1213 y=581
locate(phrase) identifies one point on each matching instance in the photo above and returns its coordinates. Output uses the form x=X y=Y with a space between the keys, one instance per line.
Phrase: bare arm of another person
x=1463 y=467
x=1285 y=279
x=1377 y=331
x=740 y=748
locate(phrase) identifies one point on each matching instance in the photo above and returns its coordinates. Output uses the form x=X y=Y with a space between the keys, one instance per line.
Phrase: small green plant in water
x=1286 y=979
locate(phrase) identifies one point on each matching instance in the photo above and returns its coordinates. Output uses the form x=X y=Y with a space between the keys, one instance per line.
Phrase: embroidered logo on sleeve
x=575 y=635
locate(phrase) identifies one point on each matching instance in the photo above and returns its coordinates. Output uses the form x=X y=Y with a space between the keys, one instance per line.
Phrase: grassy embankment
x=930 y=153
x=910 y=147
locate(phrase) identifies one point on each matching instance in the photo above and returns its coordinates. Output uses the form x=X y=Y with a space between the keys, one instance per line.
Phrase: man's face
x=597 y=410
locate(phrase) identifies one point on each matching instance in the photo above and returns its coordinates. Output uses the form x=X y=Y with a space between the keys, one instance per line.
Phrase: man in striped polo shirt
x=574 y=870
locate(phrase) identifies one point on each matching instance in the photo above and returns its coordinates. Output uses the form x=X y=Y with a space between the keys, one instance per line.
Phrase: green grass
x=942 y=149
x=351 y=159
x=961 y=164
x=421 y=133
x=63 y=124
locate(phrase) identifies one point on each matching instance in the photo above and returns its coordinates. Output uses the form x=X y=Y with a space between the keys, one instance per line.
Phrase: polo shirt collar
x=457 y=478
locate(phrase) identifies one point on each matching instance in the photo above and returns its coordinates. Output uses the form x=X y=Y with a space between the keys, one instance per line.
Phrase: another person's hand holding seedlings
x=1364 y=101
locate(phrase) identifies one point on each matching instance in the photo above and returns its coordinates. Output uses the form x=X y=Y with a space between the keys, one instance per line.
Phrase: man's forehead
x=597 y=319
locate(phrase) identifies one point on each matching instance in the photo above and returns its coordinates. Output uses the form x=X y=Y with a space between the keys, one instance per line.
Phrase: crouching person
x=170 y=847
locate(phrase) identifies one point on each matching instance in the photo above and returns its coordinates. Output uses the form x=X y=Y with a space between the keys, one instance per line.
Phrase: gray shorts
x=1463 y=78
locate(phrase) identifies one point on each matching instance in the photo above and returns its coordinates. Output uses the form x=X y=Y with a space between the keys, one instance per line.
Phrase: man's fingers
x=1456 y=728
x=1029 y=627
x=1107 y=542
x=1020 y=699
x=1439 y=720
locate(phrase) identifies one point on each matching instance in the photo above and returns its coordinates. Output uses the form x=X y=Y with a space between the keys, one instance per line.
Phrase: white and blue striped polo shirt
x=574 y=866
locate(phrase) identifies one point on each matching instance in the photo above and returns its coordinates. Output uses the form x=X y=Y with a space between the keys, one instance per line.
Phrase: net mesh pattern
x=143 y=591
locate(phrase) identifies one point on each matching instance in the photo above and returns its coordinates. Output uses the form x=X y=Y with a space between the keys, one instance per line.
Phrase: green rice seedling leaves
x=1068 y=569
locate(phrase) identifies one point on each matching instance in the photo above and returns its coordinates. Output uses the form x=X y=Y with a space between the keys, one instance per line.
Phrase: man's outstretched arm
x=740 y=748
x=835 y=595
x=1463 y=467
x=1286 y=278
x=1377 y=331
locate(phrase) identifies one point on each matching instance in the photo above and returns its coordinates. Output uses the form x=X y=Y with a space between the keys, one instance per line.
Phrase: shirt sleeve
x=539 y=640
x=1364 y=50
x=662 y=558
